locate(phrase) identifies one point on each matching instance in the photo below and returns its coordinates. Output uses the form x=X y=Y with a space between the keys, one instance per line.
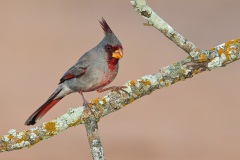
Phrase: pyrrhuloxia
x=94 y=70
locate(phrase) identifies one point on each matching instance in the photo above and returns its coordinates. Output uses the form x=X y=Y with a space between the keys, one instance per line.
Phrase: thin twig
x=154 y=20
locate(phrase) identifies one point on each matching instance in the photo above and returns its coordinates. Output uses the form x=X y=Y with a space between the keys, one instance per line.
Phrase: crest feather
x=105 y=27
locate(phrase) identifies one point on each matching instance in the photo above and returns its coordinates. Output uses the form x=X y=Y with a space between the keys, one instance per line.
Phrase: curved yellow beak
x=117 y=54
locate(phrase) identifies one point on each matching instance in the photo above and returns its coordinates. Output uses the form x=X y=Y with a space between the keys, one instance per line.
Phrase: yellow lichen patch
x=131 y=100
x=91 y=138
x=95 y=101
x=161 y=80
x=84 y=120
x=137 y=93
x=226 y=53
x=174 y=34
x=184 y=71
x=212 y=59
x=10 y=136
x=124 y=104
x=227 y=56
x=168 y=84
x=145 y=82
x=234 y=41
x=97 y=104
x=202 y=58
x=220 y=51
x=229 y=49
x=195 y=72
x=90 y=105
x=36 y=132
x=132 y=83
x=21 y=139
x=104 y=101
x=99 y=107
x=211 y=49
x=75 y=123
x=35 y=141
x=51 y=128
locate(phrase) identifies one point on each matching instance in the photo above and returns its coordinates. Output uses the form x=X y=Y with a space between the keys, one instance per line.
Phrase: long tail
x=41 y=111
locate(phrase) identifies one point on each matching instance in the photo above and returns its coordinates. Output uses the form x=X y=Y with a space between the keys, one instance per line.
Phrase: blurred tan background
x=198 y=119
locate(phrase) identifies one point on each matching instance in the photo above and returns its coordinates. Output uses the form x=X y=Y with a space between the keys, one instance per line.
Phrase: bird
x=94 y=70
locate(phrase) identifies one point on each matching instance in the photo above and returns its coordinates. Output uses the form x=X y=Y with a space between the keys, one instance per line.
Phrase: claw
x=114 y=88
x=124 y=90
x=86 y=104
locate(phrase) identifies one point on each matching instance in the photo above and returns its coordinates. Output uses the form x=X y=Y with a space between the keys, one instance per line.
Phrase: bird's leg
x=86 y=104
x=113 y=88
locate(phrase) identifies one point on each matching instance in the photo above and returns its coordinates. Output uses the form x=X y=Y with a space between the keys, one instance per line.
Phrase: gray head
x=110 y=42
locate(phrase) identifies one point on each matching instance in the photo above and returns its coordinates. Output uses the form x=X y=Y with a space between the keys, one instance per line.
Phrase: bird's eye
x=109 y=48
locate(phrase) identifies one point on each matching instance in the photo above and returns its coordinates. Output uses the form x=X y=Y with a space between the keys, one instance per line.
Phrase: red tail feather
x=41 y=111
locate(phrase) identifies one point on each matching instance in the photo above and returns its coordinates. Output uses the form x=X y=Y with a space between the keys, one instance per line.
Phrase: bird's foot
x=86 y=104
x=113 y=88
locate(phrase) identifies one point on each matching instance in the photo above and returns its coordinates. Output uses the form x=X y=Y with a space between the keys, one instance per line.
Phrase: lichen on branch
x=205 y=60
x=141 y=7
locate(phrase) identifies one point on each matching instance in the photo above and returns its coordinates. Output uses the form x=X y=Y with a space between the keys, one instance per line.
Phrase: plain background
x=197 y=119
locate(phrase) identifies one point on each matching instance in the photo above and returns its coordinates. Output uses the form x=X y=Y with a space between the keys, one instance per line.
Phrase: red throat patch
x=111 y=62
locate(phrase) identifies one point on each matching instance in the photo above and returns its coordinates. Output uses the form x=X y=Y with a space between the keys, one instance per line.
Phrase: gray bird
x=94 y=70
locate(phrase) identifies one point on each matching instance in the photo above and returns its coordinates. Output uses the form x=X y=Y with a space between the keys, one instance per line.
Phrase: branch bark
x=141 y=7
x=197 y=62
x=216 y=57
x=94 y=139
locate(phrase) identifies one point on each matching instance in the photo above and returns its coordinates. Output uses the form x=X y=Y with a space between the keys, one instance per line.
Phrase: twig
x=154 y=20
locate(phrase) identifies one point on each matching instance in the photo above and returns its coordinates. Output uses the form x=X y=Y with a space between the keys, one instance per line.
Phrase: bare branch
x=154 y=20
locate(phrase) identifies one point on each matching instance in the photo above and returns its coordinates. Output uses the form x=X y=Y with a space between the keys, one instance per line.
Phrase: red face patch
x=111 y=60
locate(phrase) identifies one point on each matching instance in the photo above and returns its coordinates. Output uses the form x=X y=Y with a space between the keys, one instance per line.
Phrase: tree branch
x=216 y=57
x=199 y=61
x=94 y=139
x=141 y=7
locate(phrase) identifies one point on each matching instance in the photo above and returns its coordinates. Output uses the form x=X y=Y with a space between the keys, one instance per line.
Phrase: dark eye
x=109 y=48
